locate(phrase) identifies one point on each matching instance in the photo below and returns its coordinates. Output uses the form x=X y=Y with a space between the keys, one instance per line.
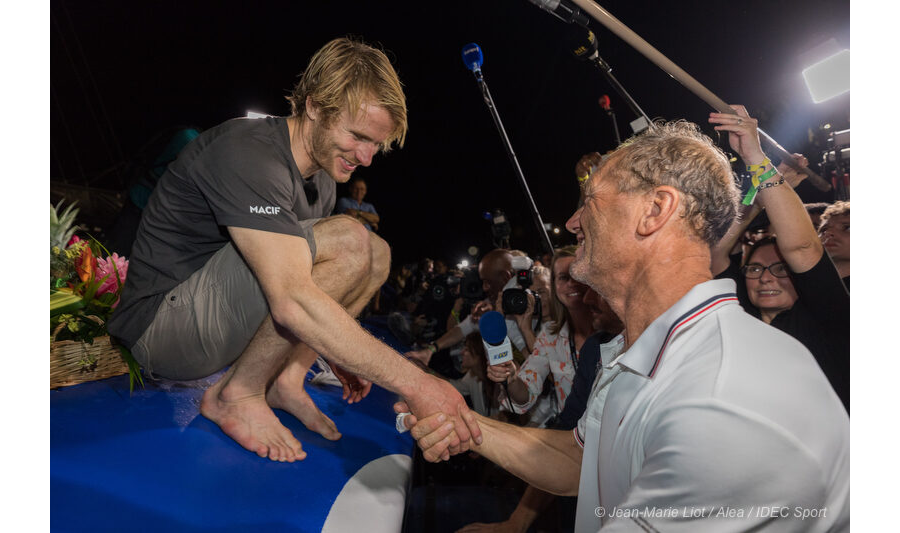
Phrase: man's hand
x=423 y=356
x=355 y=387
x=794 y=177
x=743 y=135
x=481 y=308
x=446 y=422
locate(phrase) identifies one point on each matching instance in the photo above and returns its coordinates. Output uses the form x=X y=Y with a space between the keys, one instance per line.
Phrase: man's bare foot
x=250 y=421
x=287 y=393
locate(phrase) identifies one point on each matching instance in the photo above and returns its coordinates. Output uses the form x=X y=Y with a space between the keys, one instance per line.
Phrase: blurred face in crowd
x=468 y=359
x=769 y=293
x=494 y=273
x=358 y=190
x=569 y=292
x=603 y=317
x=835 y=235
x=541 y=285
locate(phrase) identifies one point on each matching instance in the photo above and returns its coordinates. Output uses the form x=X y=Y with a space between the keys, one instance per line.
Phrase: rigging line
x=115 y=138
x=81 y=85
x=65 y=124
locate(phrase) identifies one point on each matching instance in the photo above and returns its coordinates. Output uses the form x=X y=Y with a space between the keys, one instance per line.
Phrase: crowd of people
x=682 y=354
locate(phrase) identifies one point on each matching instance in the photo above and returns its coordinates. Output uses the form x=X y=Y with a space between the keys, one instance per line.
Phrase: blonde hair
x=345 y=74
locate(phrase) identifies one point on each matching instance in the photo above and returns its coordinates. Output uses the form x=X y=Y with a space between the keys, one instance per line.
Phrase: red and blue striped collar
x=646 y=354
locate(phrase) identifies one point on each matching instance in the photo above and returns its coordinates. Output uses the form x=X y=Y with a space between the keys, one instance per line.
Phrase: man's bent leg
x=351 y=264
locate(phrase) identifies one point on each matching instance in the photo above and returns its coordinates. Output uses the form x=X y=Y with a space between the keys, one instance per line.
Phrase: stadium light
x=829 y=77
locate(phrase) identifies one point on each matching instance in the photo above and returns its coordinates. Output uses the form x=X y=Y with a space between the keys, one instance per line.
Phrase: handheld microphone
x=493 y=336
x=563 y=10
x=473 y=58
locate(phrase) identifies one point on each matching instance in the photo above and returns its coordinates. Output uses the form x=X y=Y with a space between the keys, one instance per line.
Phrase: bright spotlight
x=556 y=231
x=828 y=78
x=255 y=114
x=462 y=264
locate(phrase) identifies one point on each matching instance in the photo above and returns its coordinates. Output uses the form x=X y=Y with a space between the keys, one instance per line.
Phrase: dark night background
x=121 y=72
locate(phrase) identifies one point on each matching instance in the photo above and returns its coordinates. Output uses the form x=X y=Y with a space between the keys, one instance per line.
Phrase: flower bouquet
x=85 y=285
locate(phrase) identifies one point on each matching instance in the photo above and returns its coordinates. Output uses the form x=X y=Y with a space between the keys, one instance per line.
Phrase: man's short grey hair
x=679 y=155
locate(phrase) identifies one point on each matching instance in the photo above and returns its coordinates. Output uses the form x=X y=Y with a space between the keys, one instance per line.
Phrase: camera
x=515 y=296
x=441 y=286
x=470 y=287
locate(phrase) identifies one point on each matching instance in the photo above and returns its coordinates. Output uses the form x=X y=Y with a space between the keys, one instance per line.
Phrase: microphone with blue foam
x=473 y=58
x=494 y=338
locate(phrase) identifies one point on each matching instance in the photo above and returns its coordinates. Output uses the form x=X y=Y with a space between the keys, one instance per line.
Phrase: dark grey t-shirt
x=240 y=173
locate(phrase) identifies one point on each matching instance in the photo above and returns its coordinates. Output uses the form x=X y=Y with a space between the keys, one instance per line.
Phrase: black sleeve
x=822 y=292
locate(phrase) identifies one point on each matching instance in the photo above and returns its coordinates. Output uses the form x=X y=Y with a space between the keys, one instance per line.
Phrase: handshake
x=439 y=436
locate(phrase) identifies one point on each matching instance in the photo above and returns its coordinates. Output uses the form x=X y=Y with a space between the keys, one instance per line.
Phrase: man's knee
x=381 y=259
x=345 y=241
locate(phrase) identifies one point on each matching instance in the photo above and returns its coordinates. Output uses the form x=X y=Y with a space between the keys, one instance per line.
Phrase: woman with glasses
x=787 y=280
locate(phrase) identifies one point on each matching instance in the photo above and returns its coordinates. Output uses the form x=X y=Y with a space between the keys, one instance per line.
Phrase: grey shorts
x=205 y=323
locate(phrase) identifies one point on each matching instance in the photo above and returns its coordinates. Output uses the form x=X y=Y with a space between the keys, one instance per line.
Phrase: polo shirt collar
x=646 y=354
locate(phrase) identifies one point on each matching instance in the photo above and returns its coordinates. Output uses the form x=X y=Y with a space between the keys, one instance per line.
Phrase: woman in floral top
x=557 y=348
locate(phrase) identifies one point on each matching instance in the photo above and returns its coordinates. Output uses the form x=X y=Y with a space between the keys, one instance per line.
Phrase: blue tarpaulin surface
x=148 y=461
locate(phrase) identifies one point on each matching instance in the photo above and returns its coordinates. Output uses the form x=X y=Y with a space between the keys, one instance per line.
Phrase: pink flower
x=74 y=240
x=108 y=267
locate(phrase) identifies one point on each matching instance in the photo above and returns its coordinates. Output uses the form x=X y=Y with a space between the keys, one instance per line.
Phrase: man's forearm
x=327 y=328
x=548 y=459
x=453 y=337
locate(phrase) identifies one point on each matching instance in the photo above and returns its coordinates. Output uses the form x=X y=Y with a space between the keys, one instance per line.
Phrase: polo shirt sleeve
x=247 y=184
x=681 y=486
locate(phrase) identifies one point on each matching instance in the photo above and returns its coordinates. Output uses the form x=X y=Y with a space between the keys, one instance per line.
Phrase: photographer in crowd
x=495 y=270
x=557 y=349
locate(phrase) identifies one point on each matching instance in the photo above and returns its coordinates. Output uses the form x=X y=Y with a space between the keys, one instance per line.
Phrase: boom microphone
x=472 y=57
x=563 y=10
x=493 y=336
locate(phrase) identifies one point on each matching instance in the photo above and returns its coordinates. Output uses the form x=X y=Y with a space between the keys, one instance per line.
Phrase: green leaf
x=64 y=302
x=134 y=369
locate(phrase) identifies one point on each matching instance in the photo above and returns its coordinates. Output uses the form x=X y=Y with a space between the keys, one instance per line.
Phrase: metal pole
x=489 y=101
x=626 y=34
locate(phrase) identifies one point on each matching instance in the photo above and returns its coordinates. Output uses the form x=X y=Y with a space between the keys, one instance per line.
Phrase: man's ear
x=661 y=204
x=312 y=110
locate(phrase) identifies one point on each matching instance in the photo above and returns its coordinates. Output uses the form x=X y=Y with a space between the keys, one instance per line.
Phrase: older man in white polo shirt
x=712 y=420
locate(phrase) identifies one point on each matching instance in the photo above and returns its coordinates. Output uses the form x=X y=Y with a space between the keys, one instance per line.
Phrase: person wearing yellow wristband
x=788 y=280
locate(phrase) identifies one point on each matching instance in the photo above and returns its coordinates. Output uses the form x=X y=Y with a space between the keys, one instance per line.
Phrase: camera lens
x=515 y=301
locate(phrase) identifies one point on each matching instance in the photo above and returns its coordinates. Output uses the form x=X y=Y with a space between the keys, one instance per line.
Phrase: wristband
x=433 y=347
x=771 y=184
x=758 y=169
x=757 y=181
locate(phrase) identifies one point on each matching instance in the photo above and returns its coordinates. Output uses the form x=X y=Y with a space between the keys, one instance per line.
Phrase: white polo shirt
x=714 y=421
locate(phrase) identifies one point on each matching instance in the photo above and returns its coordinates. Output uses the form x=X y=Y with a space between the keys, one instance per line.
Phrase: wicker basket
x=73 y=362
